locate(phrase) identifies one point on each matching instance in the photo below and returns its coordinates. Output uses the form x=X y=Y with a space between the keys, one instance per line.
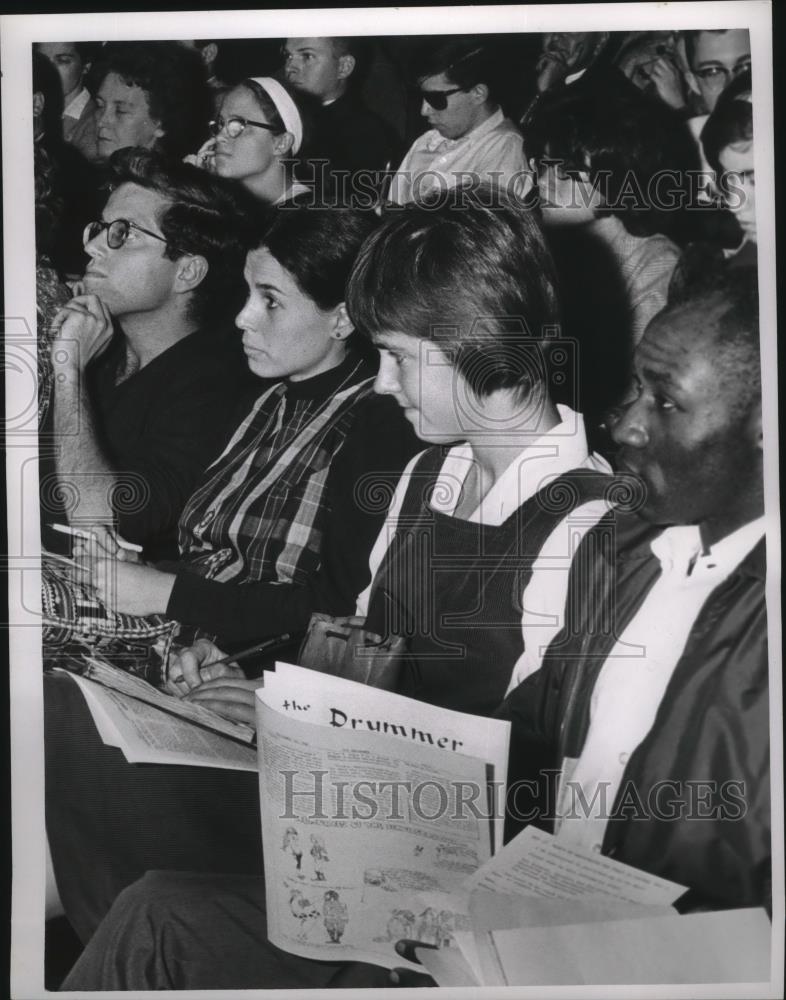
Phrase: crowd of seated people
x=288 y=308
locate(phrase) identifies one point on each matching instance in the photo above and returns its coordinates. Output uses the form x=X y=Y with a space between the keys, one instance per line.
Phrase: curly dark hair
x=207 y=216
x=637 y=152
x=174 y=80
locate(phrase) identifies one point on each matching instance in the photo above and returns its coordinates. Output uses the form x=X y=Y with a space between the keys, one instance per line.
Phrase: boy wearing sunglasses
x=147 y=366
x=469 y=139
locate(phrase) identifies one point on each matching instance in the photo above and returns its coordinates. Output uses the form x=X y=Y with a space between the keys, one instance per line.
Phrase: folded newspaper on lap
x=152 y=727
x=375 y=808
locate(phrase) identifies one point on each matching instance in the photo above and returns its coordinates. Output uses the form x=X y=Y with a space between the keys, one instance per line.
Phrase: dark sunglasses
x=235 y=125
x=117 y=232
x=438 y=99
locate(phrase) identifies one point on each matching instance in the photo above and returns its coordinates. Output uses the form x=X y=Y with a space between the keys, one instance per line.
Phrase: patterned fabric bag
x=73 y=617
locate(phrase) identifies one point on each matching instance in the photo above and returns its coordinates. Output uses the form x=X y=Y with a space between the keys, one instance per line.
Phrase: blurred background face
x=566 y=196
x=250 y=154
x=312 y=65
x=719 y=56
x=570 y=48
x=739 y=185
x=124 y=117
x=639 y=60
x=68 y=63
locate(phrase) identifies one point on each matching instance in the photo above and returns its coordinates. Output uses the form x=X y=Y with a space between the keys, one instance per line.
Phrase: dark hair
x=736 y=350
x=477 y=280
x=174 y=80
x=691 y=37
x=49 y=201
x=361 y=49
x=47 y=82
x=88 y=51
x=625 y=141
x=317 y=246
x=465 y=61
x=731 y=121
x=206 y=216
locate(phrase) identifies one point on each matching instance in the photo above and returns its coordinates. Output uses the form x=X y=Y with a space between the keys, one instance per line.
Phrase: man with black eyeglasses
x=469 y=140
x=147 y=366
x=715 y=57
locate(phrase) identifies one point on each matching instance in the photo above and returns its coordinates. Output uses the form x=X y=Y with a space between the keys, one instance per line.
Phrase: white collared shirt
x=77 y=105
x=559 y=450
x=634 y=677
x=492 y=151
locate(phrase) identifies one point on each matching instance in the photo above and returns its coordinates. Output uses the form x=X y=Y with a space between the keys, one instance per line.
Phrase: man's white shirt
x=491 y=152
x=77 y=105
x=634 y=677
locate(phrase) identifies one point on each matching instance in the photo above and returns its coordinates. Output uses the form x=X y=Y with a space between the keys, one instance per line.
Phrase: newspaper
x=135 y=687
x=148 y=735
x=360 y=830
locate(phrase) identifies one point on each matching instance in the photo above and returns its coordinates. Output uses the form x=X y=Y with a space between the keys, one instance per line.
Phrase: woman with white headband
x=258 y=132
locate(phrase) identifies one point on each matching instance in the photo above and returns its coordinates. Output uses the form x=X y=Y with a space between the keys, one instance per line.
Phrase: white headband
x=285 y=106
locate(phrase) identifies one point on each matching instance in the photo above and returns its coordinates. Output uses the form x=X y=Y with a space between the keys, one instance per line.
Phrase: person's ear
x=342 y=324
x=38 y=103
x=346 y=65
x=191 y=272
x=480 y=92
x=283 y=143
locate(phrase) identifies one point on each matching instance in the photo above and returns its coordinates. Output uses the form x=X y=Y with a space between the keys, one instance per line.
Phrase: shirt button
x=596 y=848
x=624 y=758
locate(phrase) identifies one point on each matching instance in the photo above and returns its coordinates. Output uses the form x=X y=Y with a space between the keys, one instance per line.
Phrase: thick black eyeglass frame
x=117 y=232
x=438 y=99
x=218 y=124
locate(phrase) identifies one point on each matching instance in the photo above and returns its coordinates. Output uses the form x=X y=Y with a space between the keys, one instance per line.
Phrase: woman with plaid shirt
x=260 y=518
x=305 y=479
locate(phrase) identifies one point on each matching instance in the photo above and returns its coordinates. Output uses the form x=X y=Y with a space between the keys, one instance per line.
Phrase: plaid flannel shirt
x=260 y=514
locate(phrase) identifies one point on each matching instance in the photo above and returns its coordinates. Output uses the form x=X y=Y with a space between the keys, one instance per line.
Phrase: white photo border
x=17 y=33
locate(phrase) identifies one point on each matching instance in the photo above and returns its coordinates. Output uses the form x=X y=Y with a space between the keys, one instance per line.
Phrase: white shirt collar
x=434 y=140
x=553 y=453
x=77 y=105
x=571 y=77
x=679 y=549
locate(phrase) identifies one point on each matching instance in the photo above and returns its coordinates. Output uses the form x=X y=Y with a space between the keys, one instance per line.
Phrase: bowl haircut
x=473 y=277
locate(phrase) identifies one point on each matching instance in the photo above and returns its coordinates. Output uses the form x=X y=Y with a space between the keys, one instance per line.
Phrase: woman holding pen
x=293 y=488
x=455 y=299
